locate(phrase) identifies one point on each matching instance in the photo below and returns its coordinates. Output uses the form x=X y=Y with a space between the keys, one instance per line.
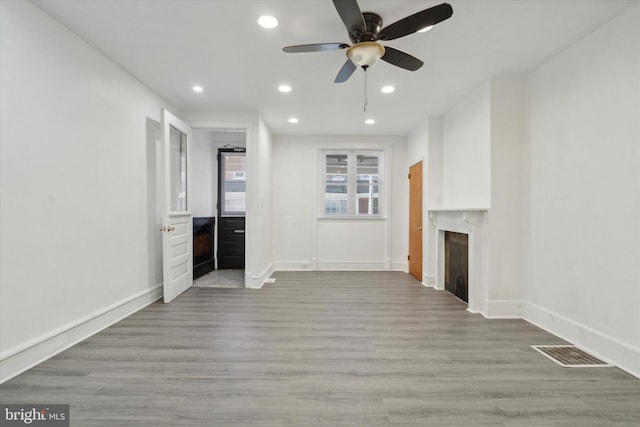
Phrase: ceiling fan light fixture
x=387 y=89
x=365 y=54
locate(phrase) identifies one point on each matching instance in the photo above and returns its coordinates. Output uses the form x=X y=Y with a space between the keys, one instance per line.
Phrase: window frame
x=222 y=181
x=352 y=183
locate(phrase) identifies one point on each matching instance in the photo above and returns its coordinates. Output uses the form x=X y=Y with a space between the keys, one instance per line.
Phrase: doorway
x=208 y=145
x=415 y=221
x=232 y=207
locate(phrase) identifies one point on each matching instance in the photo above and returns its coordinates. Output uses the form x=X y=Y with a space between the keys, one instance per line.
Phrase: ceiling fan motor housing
x=373 y=25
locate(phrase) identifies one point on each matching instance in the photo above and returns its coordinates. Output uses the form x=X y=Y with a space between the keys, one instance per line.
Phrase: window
x=233 y=188
x=351 y=183
x=178 y=169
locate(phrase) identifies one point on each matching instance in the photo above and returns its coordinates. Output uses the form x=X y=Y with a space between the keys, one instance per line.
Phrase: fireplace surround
x=472 y=222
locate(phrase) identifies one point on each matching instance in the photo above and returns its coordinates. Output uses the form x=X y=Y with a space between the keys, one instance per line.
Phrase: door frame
x=222 y=219
x=247 y=126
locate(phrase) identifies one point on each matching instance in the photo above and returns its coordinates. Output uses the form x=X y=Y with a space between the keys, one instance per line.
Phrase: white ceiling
x=170 y=45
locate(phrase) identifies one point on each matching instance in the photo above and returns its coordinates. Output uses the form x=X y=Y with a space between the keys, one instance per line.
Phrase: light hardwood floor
x=329 y=349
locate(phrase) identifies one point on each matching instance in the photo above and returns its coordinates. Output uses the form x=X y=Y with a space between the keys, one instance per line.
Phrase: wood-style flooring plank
x=324 y=349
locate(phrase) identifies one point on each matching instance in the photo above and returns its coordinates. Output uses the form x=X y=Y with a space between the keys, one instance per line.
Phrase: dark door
x=232 y=202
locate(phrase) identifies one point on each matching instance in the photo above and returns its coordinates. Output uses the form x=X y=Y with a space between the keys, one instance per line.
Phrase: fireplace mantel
x=473 y=222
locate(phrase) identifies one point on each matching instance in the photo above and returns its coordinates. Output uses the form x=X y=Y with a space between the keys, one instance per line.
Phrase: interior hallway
x=324 y=348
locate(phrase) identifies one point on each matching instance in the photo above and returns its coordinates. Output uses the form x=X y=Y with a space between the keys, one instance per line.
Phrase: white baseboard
x=429 y=280
x=256 y=281
x=300 y=265
x=400 y=266
x=352 y=266
x=609 y=349
x=16 y=360
x=504 y=309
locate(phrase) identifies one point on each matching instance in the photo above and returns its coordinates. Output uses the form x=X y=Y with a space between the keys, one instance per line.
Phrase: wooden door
x=177 y=220
x=415 y=221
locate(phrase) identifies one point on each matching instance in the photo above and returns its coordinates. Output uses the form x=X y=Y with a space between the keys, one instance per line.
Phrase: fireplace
x=456 y=264
x=470 y=284
x=203 y=243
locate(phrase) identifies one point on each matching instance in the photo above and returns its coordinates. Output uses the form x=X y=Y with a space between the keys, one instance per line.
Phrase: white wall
x=302 y=241
x=435 y=163
x=505 y=218
x=204 y=174
x=583 y=192
x=79 y=247
x=466 y=178
x=264 y=220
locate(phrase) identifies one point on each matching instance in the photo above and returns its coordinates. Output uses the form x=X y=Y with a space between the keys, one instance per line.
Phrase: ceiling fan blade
x=318 y=47
x=416 y=22
x=351 y=15
x=401 y=59
x=345 y=72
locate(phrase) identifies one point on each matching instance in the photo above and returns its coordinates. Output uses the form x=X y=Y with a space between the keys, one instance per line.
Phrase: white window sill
x=353 y=217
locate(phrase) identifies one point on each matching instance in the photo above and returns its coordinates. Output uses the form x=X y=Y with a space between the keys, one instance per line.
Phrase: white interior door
x=177 y=220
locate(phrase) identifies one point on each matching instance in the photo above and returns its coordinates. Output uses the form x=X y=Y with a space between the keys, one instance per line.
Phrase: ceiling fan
x=366 y=31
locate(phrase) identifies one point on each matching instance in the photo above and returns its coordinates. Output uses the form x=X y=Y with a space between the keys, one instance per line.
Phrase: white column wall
x=505 y=218
x=466 y=152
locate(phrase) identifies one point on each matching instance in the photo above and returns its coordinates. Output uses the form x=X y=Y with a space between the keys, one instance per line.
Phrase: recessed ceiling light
x=388 y=89
x=425 y=29
x=284 y=88
x=197 y=89
x=267 y=21
x=370 y=121
x=293 y=120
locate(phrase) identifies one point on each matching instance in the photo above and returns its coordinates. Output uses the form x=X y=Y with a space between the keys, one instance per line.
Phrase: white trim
x=16 y=360
x=400 y=266
x=353 y=266
x=256 y=281
x=602 y=346
x=352 y=217
x=249 y=123
x=429 y=280
x=471 y=222
x=308 y=265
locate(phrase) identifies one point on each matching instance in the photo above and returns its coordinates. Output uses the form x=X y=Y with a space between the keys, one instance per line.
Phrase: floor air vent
x=570 y=356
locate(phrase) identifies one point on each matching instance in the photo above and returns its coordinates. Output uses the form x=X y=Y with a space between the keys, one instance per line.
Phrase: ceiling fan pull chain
x=365 y=90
